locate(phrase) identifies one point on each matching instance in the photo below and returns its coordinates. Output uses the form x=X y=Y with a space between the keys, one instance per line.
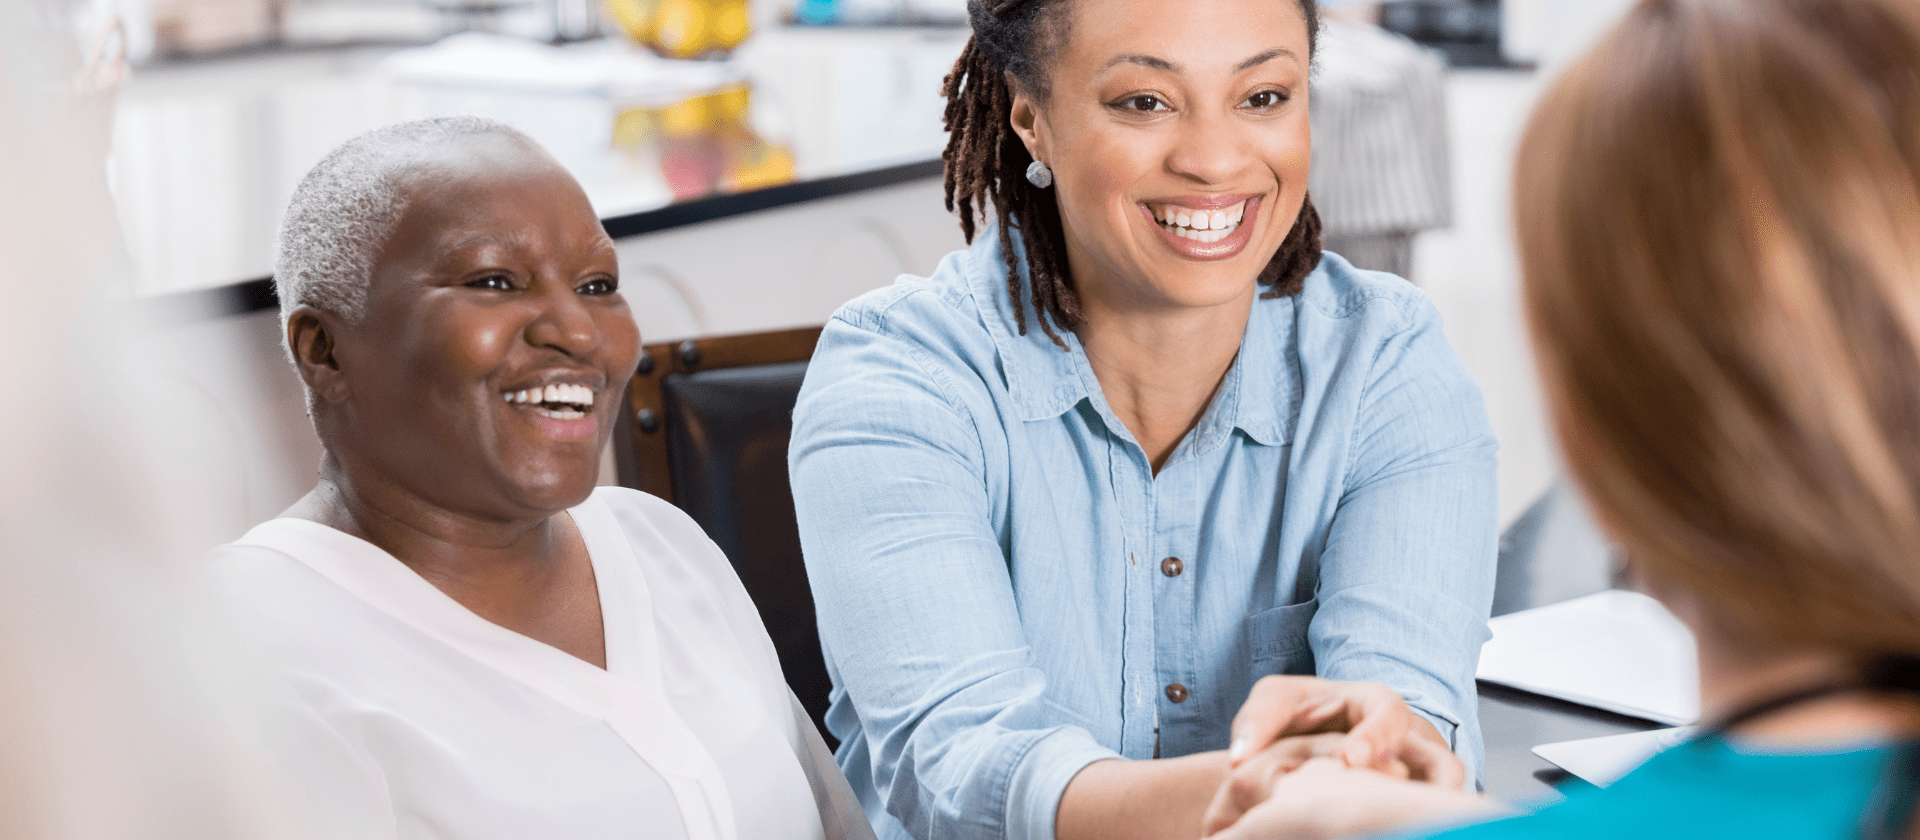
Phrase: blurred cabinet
x=785 y=267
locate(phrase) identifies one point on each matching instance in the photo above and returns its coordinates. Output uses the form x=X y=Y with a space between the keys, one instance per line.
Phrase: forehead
x=491 y=185
x=1190 y=34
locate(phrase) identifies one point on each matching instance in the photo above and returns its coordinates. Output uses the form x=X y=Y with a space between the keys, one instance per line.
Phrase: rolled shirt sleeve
x=1406 y=576
x=912 y=589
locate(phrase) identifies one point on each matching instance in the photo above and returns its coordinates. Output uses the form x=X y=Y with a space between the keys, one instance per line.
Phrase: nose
x=562 y=321
x=1207 y=148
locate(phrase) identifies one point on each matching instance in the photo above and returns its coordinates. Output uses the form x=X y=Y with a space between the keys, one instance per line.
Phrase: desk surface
x=1514 y=722
x=1551 y=553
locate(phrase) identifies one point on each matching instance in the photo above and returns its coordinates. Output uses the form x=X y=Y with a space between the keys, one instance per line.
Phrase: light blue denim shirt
x=988 y=545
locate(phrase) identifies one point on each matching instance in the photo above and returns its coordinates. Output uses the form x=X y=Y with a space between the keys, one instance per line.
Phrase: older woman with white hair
x=479 y=642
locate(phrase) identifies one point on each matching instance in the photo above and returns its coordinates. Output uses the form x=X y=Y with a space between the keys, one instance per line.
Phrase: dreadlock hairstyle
x=986 y=162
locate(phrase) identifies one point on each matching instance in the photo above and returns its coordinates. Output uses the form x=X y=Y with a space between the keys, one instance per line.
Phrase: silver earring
x=1039 y=175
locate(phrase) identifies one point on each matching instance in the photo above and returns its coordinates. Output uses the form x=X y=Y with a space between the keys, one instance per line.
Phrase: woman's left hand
x=1380 y=728
x=1323 y=798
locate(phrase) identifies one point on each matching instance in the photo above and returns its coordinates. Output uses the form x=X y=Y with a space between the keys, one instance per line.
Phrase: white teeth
x=1200 y=225
x=575 y=400
x=1201 y=235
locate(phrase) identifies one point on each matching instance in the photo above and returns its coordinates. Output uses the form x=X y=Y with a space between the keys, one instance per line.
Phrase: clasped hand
x=1307 y=751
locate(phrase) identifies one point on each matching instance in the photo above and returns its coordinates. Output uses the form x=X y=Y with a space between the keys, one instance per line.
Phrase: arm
x=914 y=598
x=1120 y=800
x=1406 y=575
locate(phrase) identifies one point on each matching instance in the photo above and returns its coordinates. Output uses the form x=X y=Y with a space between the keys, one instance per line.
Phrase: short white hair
x=347 y=206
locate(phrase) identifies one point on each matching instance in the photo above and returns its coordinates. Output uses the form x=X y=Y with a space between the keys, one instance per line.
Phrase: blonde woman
x=1719 y=225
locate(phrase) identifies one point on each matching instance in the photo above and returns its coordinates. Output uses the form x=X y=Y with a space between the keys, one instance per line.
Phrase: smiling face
x=495 y=345
x=1178 y=137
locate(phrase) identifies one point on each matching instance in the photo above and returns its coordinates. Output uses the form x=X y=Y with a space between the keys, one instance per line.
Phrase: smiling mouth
x=1199 y=225
x=560 y=402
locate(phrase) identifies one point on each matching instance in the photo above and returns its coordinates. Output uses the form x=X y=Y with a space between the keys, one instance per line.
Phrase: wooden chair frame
x=640 y=447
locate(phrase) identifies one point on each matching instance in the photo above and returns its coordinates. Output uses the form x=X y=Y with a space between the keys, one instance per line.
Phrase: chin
x=1209 y=286
x=556 y=490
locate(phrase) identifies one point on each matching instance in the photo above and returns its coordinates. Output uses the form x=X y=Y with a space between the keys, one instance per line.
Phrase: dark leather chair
x=706 y=428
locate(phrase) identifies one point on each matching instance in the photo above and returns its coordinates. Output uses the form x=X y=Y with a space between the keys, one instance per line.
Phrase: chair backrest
x=706 y=428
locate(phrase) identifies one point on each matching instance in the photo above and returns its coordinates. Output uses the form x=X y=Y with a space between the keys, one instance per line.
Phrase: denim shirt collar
x=1259 y=398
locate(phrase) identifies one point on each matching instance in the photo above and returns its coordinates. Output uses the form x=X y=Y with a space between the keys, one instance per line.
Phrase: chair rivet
x=689 y=353
x=646 y=364
x=648 y=419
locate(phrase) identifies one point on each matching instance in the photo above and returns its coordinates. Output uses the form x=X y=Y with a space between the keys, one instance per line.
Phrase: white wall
x=1549 y=33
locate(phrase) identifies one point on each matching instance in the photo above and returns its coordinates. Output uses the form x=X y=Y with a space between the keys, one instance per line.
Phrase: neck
x=530 y=574
x=1734 y=675
x=1159 y=368
x=457 y=552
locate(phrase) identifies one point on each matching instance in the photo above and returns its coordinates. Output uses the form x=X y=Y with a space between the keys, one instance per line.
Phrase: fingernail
x=1237 y=750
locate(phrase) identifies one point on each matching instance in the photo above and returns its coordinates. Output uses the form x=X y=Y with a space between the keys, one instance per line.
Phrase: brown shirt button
x=1171 y=567
x=1177 y=693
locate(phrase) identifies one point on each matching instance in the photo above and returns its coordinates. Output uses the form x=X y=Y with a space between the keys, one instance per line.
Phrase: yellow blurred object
x=704 y=144
x=633 y=127
x=730 y=103
x=760 y=164
x=731 y=24
x=684 y=28
x=687 y=117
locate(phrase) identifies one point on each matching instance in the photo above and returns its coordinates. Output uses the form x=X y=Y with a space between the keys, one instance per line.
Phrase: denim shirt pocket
x=1278 y=639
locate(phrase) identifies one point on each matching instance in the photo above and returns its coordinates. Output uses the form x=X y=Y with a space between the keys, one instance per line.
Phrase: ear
x=1028 y=123
x=312 y=334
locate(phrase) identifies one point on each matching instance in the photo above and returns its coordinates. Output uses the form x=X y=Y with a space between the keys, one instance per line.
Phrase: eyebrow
x=1145 y=61
x=1163 y=64
x=1265 y=57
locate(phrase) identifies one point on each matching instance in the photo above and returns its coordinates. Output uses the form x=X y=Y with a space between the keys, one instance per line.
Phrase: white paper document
x=1616 y=650
x=1603 y=761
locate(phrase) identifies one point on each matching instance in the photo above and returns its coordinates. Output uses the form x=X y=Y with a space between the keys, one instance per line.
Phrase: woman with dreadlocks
x=1139 y=453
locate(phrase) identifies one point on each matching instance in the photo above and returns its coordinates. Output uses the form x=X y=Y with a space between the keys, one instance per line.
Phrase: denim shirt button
x=1171 y=567
x=1177 y=693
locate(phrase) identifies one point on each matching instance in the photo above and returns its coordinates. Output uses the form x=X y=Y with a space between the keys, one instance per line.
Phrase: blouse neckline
x=629 y=695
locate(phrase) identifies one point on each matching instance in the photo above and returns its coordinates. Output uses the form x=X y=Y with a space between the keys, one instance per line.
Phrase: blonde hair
x=1718 y=213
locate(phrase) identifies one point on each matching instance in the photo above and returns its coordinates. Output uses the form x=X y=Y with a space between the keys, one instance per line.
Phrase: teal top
x=1709 y=788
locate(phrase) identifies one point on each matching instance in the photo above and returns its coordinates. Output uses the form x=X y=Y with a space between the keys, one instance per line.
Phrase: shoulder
x=673 y=551
x=1338 y=290
x=1385 y=325
x=655 y=523
x=929 y=310
x=923 y=343
x=264 y=565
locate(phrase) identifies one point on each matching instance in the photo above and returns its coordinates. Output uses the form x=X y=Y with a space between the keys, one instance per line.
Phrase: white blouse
x=428 y=721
